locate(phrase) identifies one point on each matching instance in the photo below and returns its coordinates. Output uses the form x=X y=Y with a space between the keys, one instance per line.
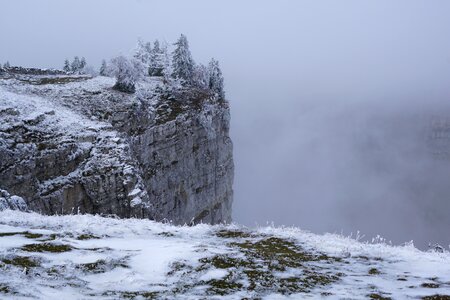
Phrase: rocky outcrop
x=13 y=202
x=83 y=147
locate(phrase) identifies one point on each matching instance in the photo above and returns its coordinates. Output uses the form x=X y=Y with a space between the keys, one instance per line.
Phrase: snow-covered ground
x=84 y=257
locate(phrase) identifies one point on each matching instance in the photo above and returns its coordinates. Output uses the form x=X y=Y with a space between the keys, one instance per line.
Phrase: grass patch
x=374 y=271
x=101 y=266
x=222 y=262
x=4 y=289
x=84 y=237
x=131 y=295
x=436 y=297
x=223 y=287
x=30 y=235
x=3 y=234
x=47 y=247
x=166 y=234
x=232 y=234
x=278 y=253
x=378 y=297
x=53 y=79
x=256 y=268
x=430 y=285
x=22 y=262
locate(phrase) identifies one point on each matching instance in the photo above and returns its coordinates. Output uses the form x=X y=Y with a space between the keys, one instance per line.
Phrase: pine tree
x=182 y=62
x=103 y=67
x=66 y=67
x=82 y=63
x=75 y=64
x=166 y=63
x=156 y=60
x=156 y=46
x=216 y=79
x=201 y=77
x=143 y=52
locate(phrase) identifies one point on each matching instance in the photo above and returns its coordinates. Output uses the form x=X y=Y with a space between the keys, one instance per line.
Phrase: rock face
x=79 y=146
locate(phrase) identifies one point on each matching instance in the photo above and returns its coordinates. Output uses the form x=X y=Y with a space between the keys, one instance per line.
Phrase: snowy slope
x=85 y=256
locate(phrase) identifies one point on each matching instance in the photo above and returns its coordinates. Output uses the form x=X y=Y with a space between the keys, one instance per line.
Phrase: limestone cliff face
x=75 y=145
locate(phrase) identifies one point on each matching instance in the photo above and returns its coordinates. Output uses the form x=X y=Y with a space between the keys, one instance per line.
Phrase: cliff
x=71 y=144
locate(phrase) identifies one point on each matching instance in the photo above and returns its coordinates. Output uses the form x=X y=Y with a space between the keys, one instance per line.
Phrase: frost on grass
x=91 y=257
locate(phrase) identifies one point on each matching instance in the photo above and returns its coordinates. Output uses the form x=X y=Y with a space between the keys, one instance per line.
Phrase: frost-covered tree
x=75 y=66
x=156 y=60
x=89 y=70
x=143 y=52
x=66 y=67
x=166 y=61
x=216 y=79
x=201 y=77
x=182 y=62
x=7 y=65
x=127 y=73
x=103 y=68
x=82 y=63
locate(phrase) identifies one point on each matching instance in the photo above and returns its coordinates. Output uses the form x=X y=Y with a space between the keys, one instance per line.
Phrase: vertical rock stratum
x=71 y=144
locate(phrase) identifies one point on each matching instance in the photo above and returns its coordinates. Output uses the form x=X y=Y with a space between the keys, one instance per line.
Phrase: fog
x=334 y=103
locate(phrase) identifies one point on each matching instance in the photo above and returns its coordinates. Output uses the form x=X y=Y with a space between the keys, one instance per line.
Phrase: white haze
x=332 y=101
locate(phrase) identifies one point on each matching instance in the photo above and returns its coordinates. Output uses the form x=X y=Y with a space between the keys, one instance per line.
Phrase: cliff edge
x=72 y=144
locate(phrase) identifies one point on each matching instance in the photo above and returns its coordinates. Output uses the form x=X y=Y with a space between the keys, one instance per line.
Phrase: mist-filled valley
x=380 y=168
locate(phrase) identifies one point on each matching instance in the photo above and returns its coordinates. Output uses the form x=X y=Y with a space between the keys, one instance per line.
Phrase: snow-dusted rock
x=13 y=202
x=76 y=145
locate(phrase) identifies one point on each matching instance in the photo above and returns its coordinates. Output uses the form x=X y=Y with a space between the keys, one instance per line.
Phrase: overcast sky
x=331 y=100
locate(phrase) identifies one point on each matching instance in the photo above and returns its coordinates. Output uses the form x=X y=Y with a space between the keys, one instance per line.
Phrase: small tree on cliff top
x=143 y=52
x=182 y=62
x=66 y=67
x=103 y=68
x=157 y=60
x=216 y=79
x=127 y=73
x=75 y=67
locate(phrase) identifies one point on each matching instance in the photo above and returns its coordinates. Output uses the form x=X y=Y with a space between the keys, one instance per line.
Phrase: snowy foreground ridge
x=87 y=257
